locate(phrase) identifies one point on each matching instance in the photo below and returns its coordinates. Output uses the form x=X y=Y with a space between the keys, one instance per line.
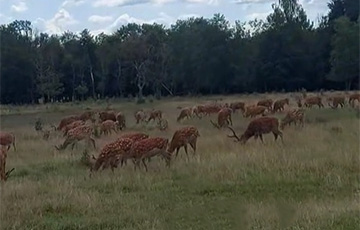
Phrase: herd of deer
x=140 y=147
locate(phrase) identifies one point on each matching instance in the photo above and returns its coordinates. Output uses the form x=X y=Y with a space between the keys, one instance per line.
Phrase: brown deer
x=140 y=116
x=154 y=114
x=336 y=101
x=7 y=139
x=280 y=104
x=107 y=115
x=257 y=128
x=253 y=111
x=136 y=136
x=107 y=126
x=315 y=100
x=121 y=121
x=186 y=112
x=72 y=125
x=198 y=110
x=354 y=97
x=182 y=137
x=293 y=116
x=83 y=132
x=224 y=118
x=87 y=115
x=67 y=120
x=237 y=105
x=148 y=148
x=266 y=103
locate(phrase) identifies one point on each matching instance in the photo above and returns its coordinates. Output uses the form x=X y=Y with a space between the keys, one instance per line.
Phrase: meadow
x=311 y=181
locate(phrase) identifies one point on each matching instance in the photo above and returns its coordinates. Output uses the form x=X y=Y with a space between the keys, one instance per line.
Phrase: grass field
x=311 y=181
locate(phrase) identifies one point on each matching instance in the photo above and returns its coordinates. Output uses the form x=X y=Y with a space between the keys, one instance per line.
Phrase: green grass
x=311 y=181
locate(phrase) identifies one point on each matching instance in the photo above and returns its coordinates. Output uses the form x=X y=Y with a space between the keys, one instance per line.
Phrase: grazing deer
x=315 y=100
x=67 y=120
x=237 y=105
x=107 y=126
x=266 y=103
x=136 y=136
x=279 y=105
x=87 y=115
x=198 y=110
x=293 y=117
x=162 y=124
x=224 y=118
x=336 y=101
x=254 y=111
x=6 y=139
x=148 y=148
x=186 y=112
x=140 y=116
x=353 y=97
x=120 y=118
x=83 y=132
x=72 y=125
x=154 y=114
x=110 y=152
x=107 y=115
x=257 y=128
x=182 y=137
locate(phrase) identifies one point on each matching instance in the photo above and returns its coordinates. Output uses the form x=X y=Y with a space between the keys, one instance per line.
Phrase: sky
x=56 y=16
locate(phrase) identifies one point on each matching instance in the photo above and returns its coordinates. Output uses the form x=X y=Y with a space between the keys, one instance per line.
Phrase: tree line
x=285 y=52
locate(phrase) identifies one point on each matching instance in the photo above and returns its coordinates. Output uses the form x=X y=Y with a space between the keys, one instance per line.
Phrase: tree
x=345 y=52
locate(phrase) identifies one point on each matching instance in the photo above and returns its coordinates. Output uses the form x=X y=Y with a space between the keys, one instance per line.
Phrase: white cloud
x=186 y=16
x=20 y=7
x=60 y=20
x=112 y=3
x=99 y=19
x=70 y=3
x=258 y=15
x=5 y=19
x=251 y=1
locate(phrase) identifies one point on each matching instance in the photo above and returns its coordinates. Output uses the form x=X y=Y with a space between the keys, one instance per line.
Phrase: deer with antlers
x=224 y=118
x=280 y=104
x=7 y=139
x=181 y=138
x=148 y=148
x=315 y=100
x=293 y=116
x=83 y=132
x=257 y=128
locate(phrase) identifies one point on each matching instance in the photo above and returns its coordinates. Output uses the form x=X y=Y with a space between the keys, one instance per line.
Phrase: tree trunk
x=348 y=85
x=73 y=83
x=92 y=82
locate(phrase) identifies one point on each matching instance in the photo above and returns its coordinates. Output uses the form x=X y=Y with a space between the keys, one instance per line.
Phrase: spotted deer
x=107 y=126
x=293 y=116
x=72 y=125
x=184 y=113
x=315 y=100
x=266 y=103
x=67 y=120
x=224 y=118
x=121 y=121
x=154 y=114
x=140 y=116
x=148 y=148
x=181 y=138
x=280 y=104
x=7 y=139
x=257 y=128
x=83 y=132
x=107 y=115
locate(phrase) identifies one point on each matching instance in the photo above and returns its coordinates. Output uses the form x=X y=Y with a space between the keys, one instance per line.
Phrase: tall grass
x=309 y=182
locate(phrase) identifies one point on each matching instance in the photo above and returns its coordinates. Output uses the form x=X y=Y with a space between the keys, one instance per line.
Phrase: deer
x=121 y=121
x=107 y=115
x=140 y=116
x=257 y=128
x=107 y=126
x=148 y=148
x=293 y=116
x=315 y=100
x=7 y=139
x=353 y=97
x=87 y=115
x=83 y=132
x=72 y=125
x=224 y=118
x=3 y=155
x=336 y=101
x=254 y=111
x=182 y=137
x=279 y=105
x=237 y=105
x=266 y=103
x=67 y=120
x=185 y=112
x=154 y=114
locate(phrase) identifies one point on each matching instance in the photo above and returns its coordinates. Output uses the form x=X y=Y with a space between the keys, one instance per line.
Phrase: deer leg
x=93 y=142
x=143 y=161
x=186 y=151
x=261 y=138
x=193 y=145
x=177 y=152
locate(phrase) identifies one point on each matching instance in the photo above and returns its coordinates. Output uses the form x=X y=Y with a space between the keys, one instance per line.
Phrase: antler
x=234 y=134
x=7 y=174
x=215 y=125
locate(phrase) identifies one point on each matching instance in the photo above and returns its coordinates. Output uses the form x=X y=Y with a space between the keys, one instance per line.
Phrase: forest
x=197 y=56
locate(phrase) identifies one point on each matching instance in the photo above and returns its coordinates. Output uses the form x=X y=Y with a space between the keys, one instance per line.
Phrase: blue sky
x=56 y=16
